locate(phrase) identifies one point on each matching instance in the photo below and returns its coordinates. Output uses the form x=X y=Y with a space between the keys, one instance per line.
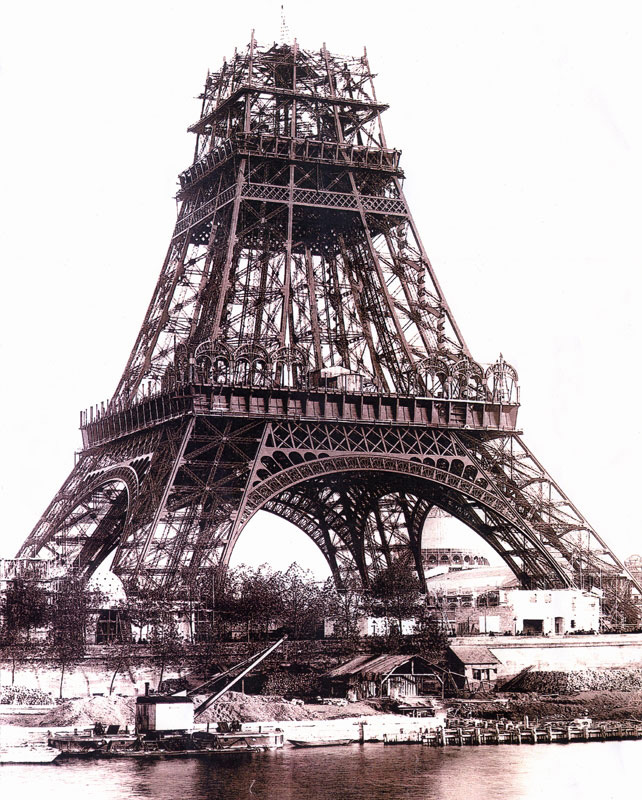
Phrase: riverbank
x=234 y=706
x=244 y=708
x=599 y=705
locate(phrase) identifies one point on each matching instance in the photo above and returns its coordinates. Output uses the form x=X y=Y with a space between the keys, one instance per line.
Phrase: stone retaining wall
x=561 y=653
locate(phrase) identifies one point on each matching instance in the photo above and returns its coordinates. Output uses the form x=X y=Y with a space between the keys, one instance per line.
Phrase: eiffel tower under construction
x=298 y=356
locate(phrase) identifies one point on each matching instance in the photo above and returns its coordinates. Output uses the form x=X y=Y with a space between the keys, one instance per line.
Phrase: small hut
x=385 y=675
x=474 y=666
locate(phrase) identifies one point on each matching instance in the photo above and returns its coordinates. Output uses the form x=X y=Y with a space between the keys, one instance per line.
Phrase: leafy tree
x=71 y=604
x=143 y=612
x=430 y=638
x=303 y=602
x=121 y=654
x=121 y=657
x=23 y=608
x=215 y=603
x=153 y=622
x=396 y=593
x=214 y=607
x=345 y=607
x=167 y=646
x=258 y=598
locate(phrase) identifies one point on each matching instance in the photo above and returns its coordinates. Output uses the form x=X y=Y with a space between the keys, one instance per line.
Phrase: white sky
x=520 y=124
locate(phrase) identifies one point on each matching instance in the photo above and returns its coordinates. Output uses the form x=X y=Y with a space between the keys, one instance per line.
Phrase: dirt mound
x=232 y=706
x=615 y=679
x=264 y=708
x=252 y=708
x=87 y=710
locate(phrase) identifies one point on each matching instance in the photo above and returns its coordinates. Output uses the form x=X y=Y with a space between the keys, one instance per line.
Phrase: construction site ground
x=233 y=706
x=599 y=705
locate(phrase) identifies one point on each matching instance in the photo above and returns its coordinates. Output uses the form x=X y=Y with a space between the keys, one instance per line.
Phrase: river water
x=590 y=771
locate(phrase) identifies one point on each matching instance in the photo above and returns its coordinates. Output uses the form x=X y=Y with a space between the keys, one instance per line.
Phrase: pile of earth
x=619 y=679
x=84 y=712
x=264 y=708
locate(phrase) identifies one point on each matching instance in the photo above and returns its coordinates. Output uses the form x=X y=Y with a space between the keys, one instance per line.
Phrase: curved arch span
x=342 y=486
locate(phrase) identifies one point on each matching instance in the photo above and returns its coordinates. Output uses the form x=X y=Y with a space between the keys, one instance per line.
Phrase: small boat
x=319 y=742
x=28 y=755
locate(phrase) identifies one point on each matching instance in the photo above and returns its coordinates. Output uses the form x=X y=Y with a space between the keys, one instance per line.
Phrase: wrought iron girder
x=443 y=467
x=363 y=491
x=126 y=461
x=228 y=468
x=542 y=503
x=325 y=527
x=295 y=274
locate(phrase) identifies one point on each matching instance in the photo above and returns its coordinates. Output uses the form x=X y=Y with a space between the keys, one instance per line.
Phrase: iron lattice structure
x=298 y=356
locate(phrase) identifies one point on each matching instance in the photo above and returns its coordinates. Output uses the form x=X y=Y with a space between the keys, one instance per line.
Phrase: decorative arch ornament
x=433 y=375
x=502 y=382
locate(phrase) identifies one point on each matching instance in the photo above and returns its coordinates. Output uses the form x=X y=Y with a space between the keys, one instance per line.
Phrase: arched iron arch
x=512 y=538
x=82 y=553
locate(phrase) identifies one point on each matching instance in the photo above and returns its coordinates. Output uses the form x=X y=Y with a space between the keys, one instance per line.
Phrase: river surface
x=590 y=771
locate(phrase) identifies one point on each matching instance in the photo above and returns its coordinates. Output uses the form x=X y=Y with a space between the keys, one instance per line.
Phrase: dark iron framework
x=298 y=356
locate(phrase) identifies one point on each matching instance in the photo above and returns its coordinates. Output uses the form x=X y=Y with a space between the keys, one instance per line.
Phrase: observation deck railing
x=293 y=149
x=111 y=421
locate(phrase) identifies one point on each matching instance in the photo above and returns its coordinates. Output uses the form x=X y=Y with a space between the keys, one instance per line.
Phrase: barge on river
x=164 y=727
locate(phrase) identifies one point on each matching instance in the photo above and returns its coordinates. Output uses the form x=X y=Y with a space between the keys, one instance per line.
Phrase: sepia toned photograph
x=320 y=345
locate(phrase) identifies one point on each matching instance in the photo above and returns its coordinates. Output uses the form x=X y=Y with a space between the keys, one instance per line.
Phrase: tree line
x=254 y=604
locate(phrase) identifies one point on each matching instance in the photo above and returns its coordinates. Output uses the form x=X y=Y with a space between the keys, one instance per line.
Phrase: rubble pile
x=23 y=696
x=586 y=680
x=261 y=708
x=85 y=711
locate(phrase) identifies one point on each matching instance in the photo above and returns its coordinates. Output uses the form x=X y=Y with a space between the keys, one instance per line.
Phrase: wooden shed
x=473 y=666
x=383 y=676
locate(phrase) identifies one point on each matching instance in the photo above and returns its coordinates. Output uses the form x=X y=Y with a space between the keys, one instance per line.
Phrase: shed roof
x=383 y=664
x=474 y=654
x=350 y=667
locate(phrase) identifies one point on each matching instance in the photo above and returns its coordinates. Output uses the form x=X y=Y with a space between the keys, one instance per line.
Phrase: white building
x=554 y=612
